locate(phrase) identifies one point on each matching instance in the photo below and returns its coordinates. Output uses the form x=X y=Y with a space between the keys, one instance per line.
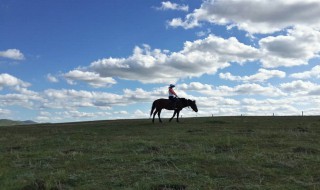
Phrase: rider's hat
x=171 y=86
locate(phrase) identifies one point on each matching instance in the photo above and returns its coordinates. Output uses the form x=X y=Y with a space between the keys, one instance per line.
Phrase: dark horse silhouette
x=181 y=103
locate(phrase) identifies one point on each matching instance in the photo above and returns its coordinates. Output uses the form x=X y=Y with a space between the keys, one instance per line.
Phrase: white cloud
x=248 y=89
x=52 y=78
x=296 y=48
x=284 y=109
x=29 y=100
x=196 y=86
x=73 y=99
x=261 y=76
x=199 y=57
x=45 y=119
x=4 y=112
x=204 y=56
x=284 y=99
x=7 y=80
x=12 y=54
x=204 y=33
x=313 y=73
x=123 y=112
x=299 y=86
x=281 y=106
x=167 y=5
x=67 y=105
x=77 y=114
x=140 y=95
x=93 y=79
x=256 y=89
x=315 y=91
x=299 y=44
x=263 y=16
x=70 y=115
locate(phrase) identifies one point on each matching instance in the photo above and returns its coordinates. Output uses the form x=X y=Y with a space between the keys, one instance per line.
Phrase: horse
x=162 y=103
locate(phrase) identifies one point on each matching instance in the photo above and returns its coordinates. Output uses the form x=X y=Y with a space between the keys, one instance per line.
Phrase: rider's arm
x=173 y=92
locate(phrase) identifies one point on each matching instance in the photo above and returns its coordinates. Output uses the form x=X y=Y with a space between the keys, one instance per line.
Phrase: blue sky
x=78 y=60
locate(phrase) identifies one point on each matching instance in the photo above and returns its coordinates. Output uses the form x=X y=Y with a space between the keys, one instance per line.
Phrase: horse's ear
x=194 y=101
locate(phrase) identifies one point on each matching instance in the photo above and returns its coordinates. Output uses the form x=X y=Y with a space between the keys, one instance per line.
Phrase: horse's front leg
x=173 y=115
x=178 y=112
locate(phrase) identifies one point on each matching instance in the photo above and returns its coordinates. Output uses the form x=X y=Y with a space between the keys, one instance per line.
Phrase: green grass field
x=198 y=153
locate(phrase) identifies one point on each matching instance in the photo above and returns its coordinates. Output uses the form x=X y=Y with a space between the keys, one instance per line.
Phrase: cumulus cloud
x=7 y=80
x=315 y=91
x=4 y=112
x=299 y=86
x=296 y=48
x=204 y=56
x=279 y=109
x=195 y=86
x=211 y=99
x=249 y=89
x=26 y=100
x=167 y=5
x=68 y=104
x=261 y=76
x=14 y=54
x=52 y=78
x=283 y=99
x=70 y=99
x=73 y=99
x=265 y=16
x=93 y=79
x=204 y=33
x=256 y=89
x=300 y=39
x=313 y=73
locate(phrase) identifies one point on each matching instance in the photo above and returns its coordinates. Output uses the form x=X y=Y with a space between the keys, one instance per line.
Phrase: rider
x=172 y=94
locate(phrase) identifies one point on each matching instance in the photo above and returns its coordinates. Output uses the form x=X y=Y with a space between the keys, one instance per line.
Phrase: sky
x=79 y=60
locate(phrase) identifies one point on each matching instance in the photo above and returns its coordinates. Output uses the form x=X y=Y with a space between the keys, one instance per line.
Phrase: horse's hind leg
x=154 y=114
x=159 y=116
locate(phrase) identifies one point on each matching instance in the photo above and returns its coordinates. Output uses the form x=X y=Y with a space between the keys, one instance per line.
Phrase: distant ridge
x=8 y=122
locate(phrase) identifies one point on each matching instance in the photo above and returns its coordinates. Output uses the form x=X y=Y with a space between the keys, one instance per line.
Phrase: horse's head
x=193 y=105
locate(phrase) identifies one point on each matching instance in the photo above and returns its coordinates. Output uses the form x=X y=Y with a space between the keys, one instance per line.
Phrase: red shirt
x=172 y=92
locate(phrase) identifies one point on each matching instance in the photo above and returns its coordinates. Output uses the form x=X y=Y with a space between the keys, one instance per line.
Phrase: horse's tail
x=152 y=108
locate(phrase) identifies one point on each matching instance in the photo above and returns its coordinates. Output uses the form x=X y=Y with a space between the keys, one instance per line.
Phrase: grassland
x=198 y=153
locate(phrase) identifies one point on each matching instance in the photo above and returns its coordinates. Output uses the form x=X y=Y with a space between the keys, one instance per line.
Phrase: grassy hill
x=198 y=153
x=7 y=122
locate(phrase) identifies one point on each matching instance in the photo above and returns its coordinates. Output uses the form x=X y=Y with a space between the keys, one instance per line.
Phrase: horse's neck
x=184 y=102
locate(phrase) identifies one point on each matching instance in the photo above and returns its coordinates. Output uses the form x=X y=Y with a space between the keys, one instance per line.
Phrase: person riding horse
x=179 y=104
x=173 y=97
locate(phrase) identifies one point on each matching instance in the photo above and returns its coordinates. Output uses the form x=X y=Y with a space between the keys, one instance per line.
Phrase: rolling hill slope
x=7 y=122
x=198 y=153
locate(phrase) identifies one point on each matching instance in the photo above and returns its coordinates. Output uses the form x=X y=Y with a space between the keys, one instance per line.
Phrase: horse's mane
x=184 y=100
